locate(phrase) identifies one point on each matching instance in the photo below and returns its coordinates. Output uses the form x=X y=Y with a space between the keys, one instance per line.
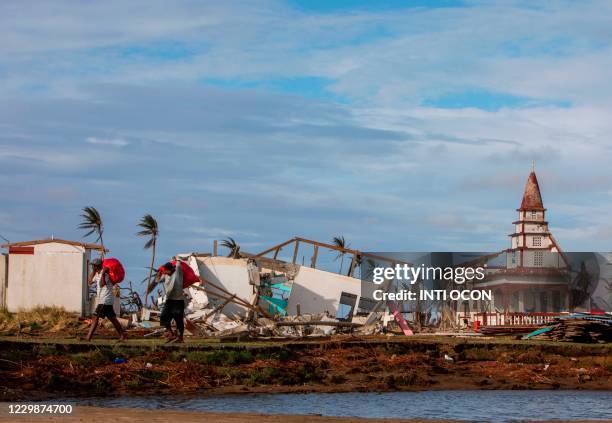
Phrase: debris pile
x=578 y=330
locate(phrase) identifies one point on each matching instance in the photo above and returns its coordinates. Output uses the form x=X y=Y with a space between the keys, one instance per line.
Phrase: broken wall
x=230 y=274
x=317 y=291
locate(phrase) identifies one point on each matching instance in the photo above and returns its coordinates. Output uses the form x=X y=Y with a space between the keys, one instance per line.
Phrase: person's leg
x=178 y=312
x=118 y=327
x=92 y=328
x=165 y=319
x=180 y=326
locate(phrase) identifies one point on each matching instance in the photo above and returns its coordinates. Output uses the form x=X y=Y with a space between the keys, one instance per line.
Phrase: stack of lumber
x=578 y=330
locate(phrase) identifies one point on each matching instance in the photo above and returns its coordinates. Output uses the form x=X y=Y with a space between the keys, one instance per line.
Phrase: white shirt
x=104 y=293
x=174 y=284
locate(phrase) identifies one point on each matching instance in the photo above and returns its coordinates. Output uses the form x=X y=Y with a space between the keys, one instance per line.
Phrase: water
x=485 y=406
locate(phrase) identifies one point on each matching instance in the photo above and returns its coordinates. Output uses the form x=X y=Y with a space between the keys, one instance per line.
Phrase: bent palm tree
x=340 y=242
x=92 y=221
x=150 y=229
x=232 y=246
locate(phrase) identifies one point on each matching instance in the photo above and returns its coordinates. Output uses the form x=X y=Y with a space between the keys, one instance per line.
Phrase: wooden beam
x=218 y=308
x=319 y=323
x=313 y=260
x=295 y=251
x=349 y=251
x=237 y=299
x=352 y=266
x=276 y=247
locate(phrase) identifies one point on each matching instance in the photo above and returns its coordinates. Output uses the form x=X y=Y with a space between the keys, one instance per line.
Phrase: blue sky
x=402 y=125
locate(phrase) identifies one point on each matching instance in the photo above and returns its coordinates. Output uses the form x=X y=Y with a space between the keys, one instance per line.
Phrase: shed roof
x=85 y=245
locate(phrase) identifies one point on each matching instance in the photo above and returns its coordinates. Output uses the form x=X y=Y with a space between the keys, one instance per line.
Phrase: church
x=533 y=275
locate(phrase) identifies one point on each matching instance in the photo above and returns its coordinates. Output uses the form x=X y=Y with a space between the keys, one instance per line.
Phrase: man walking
x=174 y=307
x=104 y=299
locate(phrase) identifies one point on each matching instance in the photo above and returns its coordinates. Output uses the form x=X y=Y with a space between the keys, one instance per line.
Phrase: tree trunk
x=102 y=244
x=150 y=272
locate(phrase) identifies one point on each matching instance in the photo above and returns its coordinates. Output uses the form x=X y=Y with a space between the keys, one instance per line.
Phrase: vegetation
x=52 y=319
x=92 y=222
x=340 y=242
x=232 y=246
x=149 y=229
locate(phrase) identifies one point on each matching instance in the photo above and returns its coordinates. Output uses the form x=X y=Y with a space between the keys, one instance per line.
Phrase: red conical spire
x=532 y=199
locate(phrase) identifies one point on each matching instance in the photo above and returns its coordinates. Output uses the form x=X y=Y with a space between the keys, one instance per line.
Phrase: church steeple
x=532 y=198
x=531 y=236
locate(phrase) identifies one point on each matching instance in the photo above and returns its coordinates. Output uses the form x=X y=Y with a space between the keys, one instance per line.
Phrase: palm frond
x=92 y=221
x=229 y=242
x=233 y=247
x=149 y=228
x=340 y=242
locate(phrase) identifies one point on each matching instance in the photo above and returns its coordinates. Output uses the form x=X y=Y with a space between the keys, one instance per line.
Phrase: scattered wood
x=578 y=330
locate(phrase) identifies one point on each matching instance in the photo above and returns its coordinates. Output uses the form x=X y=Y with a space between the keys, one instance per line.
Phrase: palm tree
x=232 y=246
x=340 y=242
x=92 y=221
x=150 y=229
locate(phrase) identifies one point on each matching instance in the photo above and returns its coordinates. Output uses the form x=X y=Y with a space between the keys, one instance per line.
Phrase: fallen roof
x=85 y=245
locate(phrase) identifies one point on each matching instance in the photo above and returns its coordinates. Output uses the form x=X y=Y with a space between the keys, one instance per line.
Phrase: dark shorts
x=105 y=310
x=173 y=309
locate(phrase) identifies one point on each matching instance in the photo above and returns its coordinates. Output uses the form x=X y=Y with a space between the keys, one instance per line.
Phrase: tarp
x=276 y=305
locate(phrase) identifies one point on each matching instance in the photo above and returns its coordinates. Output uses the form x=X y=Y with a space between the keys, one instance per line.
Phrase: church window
x=537 y=241
x=538 y=259
x=534 y=214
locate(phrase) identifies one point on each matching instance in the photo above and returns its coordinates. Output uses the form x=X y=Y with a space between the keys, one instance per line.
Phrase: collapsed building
x=239 y=288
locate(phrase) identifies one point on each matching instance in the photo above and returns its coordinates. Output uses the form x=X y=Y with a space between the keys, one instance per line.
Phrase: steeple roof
x=532 y=199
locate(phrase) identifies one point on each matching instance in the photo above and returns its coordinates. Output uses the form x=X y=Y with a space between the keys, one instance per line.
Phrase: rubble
x=271 y=295
x=578 y=329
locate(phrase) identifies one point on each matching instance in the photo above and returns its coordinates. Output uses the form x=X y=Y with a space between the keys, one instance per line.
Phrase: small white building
x=49 y=272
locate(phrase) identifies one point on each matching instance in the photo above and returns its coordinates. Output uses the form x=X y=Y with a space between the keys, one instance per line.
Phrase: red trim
x=528 y=233
x=21 y=250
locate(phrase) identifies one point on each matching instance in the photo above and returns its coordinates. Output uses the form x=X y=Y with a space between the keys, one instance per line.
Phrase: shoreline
x=141 y=415
x=63 y=368
x=137 y=415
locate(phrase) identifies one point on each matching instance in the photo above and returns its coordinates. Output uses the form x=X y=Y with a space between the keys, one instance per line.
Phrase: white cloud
x=116 y=142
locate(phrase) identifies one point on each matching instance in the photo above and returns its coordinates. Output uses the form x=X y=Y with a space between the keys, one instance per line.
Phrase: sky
x=401 y=125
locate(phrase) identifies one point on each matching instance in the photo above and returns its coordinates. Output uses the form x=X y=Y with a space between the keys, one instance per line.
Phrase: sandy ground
x=95 y=414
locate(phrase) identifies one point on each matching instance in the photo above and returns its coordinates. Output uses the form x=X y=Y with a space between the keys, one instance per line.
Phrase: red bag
x=189 y=276
x=116 y=273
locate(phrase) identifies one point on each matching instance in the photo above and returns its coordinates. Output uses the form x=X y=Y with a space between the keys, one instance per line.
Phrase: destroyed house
x=286 y=287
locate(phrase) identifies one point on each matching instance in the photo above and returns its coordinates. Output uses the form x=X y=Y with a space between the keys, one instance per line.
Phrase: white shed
x=49 y=272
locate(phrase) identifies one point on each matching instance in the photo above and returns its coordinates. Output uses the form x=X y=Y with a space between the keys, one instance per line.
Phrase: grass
x=221 y=357
x=95 y=358
x=51 y=319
